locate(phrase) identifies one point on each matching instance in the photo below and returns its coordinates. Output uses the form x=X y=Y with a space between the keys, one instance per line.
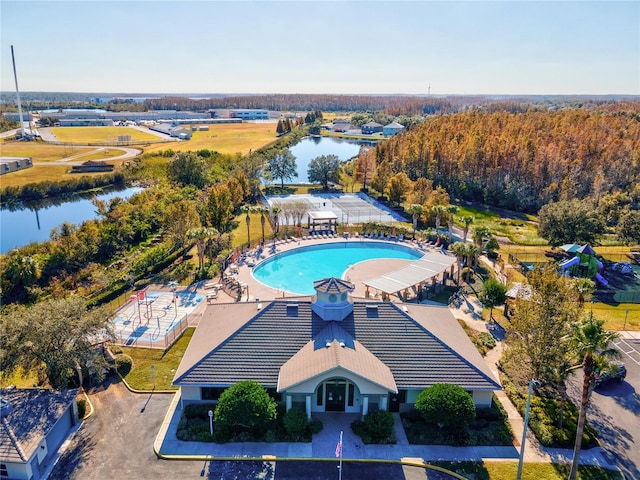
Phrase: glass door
x=335 y=396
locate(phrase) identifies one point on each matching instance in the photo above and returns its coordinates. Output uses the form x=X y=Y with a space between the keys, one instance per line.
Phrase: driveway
x=615 y=412
x=117 y=442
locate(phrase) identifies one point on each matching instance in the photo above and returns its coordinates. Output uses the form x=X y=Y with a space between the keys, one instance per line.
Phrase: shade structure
x=430 y=265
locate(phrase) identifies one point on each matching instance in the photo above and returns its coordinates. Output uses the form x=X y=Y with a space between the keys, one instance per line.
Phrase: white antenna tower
x=15 y=76
x=429 y=91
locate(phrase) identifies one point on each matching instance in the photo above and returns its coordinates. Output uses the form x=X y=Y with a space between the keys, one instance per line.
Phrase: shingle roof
x=420 y=350
x=33 y=414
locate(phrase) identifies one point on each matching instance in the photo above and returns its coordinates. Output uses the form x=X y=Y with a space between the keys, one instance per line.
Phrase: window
x=3 y=470
x=320 y=395
x=351 y=388
x=211 y=393
x=273 y=393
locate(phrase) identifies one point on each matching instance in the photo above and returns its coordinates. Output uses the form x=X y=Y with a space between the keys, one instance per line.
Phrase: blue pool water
x=296 y=270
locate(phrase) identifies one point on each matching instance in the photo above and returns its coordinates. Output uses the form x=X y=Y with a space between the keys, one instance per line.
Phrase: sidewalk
x=323 y=445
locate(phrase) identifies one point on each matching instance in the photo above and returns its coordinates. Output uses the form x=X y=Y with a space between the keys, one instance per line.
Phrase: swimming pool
x=296 y=270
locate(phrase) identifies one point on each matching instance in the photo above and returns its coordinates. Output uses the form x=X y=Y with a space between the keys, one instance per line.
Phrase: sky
x=342 y=47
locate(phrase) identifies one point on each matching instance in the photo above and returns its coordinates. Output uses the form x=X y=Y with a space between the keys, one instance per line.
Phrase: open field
x=40 y=152
x=224 y=138
x=518 y=227
x=100 y=134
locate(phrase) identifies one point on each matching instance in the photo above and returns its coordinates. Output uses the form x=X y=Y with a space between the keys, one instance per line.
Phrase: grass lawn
x=100 y=134
x=530 y=471
x=165 y=364
x=239 y=234
x=518 y=227
x=39 y=151
x=225 y=138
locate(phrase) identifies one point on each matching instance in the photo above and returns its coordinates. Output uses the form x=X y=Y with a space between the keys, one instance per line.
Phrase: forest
x=522 y=161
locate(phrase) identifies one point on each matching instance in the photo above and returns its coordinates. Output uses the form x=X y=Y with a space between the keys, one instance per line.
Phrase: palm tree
x=262 y=211
x=247 y=210
x=479 y=235
x=201 y=235
x=465 y=231
x=415 y=210
x=451 y=210
x=583 y=287
x=275 y=213
x=439 y=210
x=459 y=249
x=472 y=252
x=591 y=343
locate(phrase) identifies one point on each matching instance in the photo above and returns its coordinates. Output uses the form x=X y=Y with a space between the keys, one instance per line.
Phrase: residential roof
x=394 y=125
x=427 y=267
x=32 y=413
x=236 y=342
x=586 y=249
x=372 y=124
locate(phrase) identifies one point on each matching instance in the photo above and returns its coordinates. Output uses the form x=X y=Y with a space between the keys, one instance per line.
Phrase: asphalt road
x=615 y=412
x=117 y=442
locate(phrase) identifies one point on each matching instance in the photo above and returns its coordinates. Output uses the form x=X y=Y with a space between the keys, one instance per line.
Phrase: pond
x=23 y=226
x=312 y=147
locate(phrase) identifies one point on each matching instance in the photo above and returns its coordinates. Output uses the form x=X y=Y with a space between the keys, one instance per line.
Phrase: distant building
x=172 y=130
x=13 y=164
x=392 y=129
x=92 y=166
x=85 y=122
x=15 y=116
x=35 y=422
x=371 y=127
x=249 y=114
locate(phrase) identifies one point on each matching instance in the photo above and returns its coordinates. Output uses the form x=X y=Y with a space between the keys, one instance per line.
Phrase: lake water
x=21 y=227
x=311 y=147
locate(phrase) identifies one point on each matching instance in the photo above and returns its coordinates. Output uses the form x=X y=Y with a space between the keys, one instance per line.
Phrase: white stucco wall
x=482 y=398
x=190 y=393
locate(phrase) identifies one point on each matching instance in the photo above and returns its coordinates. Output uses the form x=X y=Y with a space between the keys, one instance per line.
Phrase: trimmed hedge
x=123 y=363
x=377 y=428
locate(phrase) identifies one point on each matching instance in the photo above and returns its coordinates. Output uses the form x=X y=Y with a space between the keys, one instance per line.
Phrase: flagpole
x=340 y=467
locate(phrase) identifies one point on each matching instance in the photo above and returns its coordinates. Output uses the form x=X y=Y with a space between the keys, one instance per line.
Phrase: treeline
x=522 y=161
x=50 y=189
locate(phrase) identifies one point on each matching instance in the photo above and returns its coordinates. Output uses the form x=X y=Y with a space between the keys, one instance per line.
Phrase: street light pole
x=533 y=383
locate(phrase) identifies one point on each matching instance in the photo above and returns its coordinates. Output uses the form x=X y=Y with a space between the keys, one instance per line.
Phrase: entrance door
x=335 y=396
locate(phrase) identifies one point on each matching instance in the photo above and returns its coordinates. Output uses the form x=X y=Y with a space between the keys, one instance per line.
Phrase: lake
x=21 y=227
x=311 y=147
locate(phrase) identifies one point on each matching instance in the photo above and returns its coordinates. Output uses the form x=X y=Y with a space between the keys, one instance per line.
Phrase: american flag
x=339 y=449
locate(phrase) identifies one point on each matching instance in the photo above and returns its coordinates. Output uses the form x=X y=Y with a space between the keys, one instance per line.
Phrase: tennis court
x=348 y=207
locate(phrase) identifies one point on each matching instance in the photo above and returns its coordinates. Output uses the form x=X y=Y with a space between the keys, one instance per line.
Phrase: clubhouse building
x=329 y=353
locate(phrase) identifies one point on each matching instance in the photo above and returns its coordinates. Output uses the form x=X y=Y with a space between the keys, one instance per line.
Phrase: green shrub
x=487 y=340
x=124 y=363
x=115 y=349
x=447 y=406
x=377 y=428
x=295 y=423
x=245 y=406
x=82 y=408
x=315 y=426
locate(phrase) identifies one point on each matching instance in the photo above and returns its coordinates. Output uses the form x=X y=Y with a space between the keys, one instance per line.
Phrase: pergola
x=415 y=274
x=322 y=218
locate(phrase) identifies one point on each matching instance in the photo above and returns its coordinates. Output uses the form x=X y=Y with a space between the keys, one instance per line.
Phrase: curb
x=91 y=409
x=135 y=390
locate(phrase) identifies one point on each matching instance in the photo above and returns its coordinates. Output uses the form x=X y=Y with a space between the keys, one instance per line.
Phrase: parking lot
x=615 y=411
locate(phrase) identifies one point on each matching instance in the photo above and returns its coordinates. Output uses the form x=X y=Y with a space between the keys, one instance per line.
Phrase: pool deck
x=358 y=273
